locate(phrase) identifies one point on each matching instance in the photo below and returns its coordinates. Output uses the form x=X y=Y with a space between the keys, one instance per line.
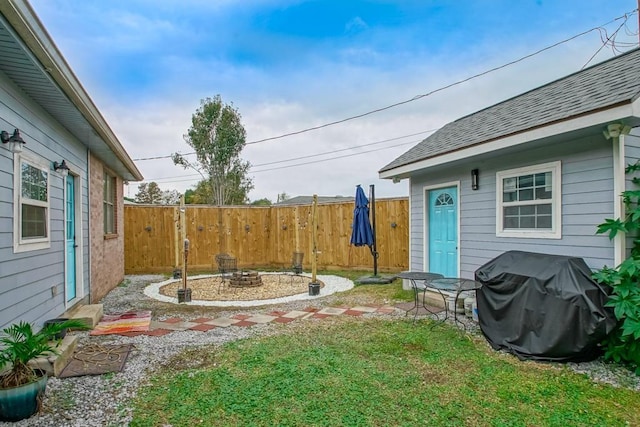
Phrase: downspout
x=617 y=133
x=90 y=225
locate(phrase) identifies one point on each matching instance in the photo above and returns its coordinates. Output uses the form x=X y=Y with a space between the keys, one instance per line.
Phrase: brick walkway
x=204 y=324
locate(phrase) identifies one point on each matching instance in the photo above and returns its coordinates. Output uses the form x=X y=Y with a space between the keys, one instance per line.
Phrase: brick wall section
x=107 y=251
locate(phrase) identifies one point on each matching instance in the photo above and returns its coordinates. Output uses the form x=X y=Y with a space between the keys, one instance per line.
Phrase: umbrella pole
x=374 y=249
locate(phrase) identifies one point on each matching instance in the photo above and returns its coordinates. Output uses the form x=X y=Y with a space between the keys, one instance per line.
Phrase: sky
x=289 y=65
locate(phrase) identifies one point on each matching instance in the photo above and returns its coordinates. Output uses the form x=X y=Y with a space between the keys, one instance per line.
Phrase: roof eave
x=27 y=25
x=627 y=110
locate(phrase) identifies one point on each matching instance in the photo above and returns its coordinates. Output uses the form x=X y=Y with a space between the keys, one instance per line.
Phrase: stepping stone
x=295 y=314
x=177 y=326
x=260 y=318
x=332 y=311
x=222 y=322
x=365 y=309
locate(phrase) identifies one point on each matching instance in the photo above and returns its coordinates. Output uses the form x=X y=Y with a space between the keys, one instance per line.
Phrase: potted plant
x=21 y=386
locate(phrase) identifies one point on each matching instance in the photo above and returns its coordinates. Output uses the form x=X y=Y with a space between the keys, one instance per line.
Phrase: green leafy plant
x=623 y=344
x=20 y=345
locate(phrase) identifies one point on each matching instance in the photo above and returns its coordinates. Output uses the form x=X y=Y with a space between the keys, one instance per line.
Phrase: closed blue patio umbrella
x=361 y=232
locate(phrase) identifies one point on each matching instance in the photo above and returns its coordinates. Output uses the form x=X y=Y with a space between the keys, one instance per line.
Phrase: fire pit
x=245 y=279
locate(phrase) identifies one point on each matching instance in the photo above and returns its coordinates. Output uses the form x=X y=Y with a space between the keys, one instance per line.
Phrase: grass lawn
x=373 y=372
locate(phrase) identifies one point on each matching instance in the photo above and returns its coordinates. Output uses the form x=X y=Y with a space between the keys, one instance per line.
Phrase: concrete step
x=54 y=364
x=89 y=314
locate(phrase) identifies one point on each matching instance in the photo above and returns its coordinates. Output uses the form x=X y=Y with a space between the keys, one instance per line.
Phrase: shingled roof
x=608 y=84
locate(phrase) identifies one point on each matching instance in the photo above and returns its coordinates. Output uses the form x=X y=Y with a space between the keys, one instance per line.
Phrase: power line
x=343 y=149
x=605 y=41
x=599 y=28
x=335 y=158
x=297 y=158
x=417 y=97
x=324 y=153
x=291 y=166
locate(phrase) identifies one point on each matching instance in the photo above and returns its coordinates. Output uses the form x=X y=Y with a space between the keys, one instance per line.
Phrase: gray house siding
x=631 y=156
x=587 y=198
x=30 y=279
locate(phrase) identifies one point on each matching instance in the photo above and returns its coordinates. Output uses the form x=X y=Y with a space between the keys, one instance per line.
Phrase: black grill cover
x=542 y=307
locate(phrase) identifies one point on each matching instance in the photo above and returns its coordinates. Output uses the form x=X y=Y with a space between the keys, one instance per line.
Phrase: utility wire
x=417 y=97
x=343 y=149
x=606 y=41
x=424 y=95
x=319 y=154
x=335 y=158
x=291 y=166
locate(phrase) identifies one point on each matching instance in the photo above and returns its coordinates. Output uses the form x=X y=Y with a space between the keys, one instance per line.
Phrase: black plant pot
x=184 y=295
x=314 y=288
x=21 y=402
x=63 y=332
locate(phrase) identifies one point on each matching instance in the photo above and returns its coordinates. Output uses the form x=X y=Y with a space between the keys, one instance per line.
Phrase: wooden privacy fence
x=262 y=236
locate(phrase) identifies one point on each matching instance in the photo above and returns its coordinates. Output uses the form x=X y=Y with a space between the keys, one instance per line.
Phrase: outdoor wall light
x=247 y=228
x=394 y=225
x=284 y=226
x=14 y=140
x=61 y=168
x=474 y=179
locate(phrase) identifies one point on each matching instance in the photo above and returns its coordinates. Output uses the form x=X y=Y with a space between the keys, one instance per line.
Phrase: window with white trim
x=108 y=204
x=31 y=204
x=529 y=201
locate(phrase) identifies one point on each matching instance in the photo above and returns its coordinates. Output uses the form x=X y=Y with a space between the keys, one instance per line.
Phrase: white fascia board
x=635 y=108
x=577 y=123
x=52 y=64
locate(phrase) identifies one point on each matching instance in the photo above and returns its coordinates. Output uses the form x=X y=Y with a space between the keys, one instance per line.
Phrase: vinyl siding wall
x=29 y=280
x=631 y=156
x=587 y=198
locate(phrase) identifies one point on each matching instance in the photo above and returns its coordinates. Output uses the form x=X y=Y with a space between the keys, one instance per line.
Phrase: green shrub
x=623 y=343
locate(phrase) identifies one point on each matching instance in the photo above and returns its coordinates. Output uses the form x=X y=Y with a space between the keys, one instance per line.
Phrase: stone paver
x=260 y=318
x=295 y=314
x=365 y=309
x=223 y=322
x=206 y=324
x=332 y=311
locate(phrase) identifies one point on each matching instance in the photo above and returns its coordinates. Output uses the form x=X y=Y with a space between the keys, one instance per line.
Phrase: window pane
x=511 y=196
x=510 y=222
x=540 y=179
x=34 y=221
x=108 y=204
x=544 y=209
x=544 y=221
x=108 y=218
x=34 y=183
x=542 y=193
x=509 y=184
x=525 y=181
x=527 y=210
x=512 y=211
x=525 y=195
x=527 y=222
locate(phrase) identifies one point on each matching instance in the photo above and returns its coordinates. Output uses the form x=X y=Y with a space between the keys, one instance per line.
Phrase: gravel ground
x=104 y=400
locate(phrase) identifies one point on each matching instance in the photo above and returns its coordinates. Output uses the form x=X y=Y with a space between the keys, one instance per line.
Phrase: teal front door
x=70 y=238
x=443 y=231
